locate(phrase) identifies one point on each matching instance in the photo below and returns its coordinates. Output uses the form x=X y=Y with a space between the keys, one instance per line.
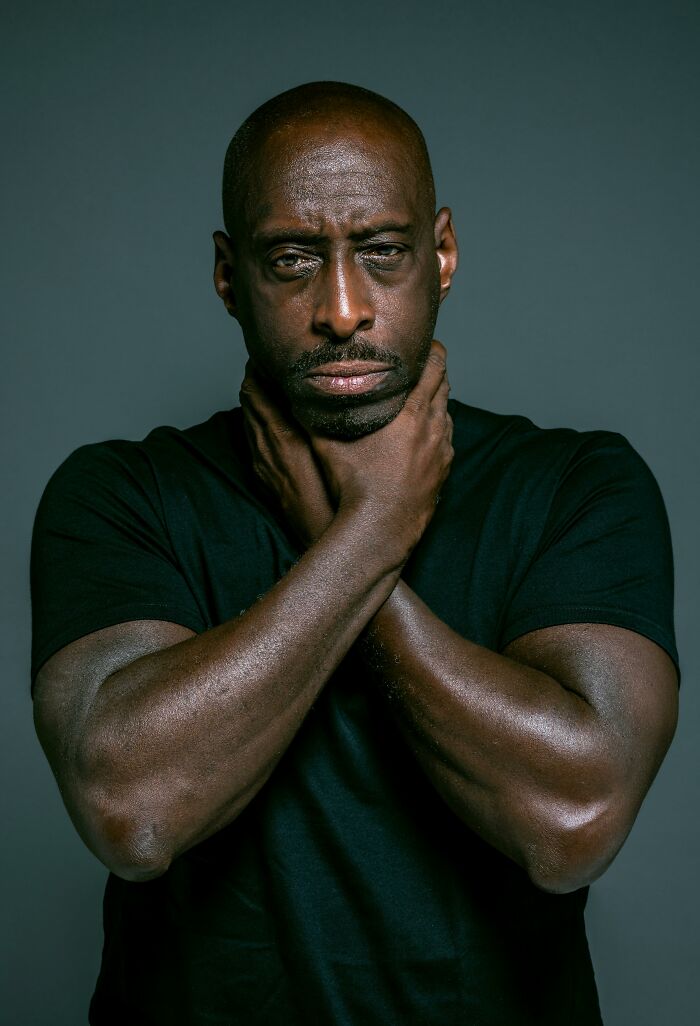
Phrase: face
x=337 y=275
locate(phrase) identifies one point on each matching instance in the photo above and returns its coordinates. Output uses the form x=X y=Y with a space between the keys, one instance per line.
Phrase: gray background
x=564 y=135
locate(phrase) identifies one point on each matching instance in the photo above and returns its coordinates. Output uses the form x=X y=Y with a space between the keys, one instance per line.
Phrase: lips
x=349 y=377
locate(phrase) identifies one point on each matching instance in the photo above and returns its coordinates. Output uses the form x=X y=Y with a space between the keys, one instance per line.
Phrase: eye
x=286 y=260
x=292 y=263
x=387 y=254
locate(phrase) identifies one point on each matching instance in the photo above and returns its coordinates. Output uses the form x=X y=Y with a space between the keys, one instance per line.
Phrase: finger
x=258 y=402
x=255 y=445
x=251 y=433
x=254 y=423
x=254 y=383
x=251 y=387
x=443 y=389
x=252 y=407
x=248 y=393
x=438 y=404
x=271 y=428
x=433 y=373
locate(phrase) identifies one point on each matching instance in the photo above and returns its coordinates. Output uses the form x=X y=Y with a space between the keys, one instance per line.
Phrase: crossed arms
x=159 y=737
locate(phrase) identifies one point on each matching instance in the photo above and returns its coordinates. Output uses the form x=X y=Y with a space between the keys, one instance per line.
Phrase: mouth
x=349 y=377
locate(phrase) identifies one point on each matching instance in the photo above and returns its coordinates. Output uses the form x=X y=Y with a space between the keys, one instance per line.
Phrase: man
x=353 y=689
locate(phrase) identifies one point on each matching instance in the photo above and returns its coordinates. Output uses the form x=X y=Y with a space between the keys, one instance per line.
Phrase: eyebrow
x=385 y=227
x=273 y=236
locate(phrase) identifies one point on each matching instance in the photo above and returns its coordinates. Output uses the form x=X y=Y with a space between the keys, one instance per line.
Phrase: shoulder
x=513 y=447
x=117 y=464
x=577 y=520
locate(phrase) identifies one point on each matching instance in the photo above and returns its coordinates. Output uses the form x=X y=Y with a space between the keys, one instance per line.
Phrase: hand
x=392 y=477
x=285 y=462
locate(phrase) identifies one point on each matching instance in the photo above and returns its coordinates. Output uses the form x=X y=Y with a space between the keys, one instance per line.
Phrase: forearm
x=179 y=741
x=524 y=761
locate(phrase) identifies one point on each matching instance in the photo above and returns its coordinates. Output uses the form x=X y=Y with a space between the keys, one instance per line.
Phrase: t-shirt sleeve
x=604 y=555
x=101 y=551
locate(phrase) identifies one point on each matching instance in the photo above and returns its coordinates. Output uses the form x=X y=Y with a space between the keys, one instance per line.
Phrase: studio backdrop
x=565 y=138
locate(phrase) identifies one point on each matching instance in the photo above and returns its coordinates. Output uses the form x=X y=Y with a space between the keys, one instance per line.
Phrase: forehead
x=319 y=175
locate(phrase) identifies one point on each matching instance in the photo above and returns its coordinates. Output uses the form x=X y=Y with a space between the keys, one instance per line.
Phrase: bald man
x=353 y=688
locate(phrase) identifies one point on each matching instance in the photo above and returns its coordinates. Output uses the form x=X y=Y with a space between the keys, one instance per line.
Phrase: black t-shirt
x=347 y=892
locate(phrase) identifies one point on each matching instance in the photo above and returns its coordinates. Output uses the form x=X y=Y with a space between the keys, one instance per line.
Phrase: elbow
x=121 y=820
x=576 y=848
x=136 y=857
x=122 y=835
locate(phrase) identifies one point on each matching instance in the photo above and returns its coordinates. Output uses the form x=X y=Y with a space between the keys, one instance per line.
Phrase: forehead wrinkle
x=315 y=218
x=351 y=206
x=331 y=185
x=357 y=227
x=308 y=205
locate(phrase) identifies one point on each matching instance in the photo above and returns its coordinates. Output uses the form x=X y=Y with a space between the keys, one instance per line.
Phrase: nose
x=342 y=303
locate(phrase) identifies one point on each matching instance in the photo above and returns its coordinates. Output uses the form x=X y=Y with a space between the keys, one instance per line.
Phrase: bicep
x=69 y=680
x=629 y=682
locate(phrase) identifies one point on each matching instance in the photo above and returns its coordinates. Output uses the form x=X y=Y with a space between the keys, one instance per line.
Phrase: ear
x=445 y=249
x=223 y=271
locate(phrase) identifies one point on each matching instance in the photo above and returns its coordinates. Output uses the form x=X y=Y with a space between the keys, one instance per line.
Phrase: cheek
x=272 y=333
x=268 y=317
x=421 y=288
x=412 y=314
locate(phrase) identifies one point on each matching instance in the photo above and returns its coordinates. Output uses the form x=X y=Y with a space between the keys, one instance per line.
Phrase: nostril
x=343 y=306
x=342 y=324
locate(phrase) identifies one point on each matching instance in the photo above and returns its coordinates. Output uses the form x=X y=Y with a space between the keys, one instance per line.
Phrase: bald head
x=331 y=107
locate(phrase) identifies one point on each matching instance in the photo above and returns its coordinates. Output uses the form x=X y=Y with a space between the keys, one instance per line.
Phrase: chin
x=349 y=421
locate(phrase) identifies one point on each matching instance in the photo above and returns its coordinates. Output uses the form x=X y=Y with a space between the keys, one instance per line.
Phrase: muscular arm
x=546 y=750
x=159 y=737
x=176 y=742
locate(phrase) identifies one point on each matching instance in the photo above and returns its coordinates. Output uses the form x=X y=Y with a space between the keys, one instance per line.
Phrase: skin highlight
x=159 y=737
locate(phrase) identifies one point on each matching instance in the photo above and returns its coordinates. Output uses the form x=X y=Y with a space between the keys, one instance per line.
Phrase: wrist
x=389 y=538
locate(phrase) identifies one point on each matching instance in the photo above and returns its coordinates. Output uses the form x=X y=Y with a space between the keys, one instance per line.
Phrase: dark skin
x=159 y=737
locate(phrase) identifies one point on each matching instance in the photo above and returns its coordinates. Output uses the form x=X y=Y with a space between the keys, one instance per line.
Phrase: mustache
x=333 y=351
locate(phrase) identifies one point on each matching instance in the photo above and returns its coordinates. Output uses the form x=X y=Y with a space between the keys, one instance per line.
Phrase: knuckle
x=414 y=404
